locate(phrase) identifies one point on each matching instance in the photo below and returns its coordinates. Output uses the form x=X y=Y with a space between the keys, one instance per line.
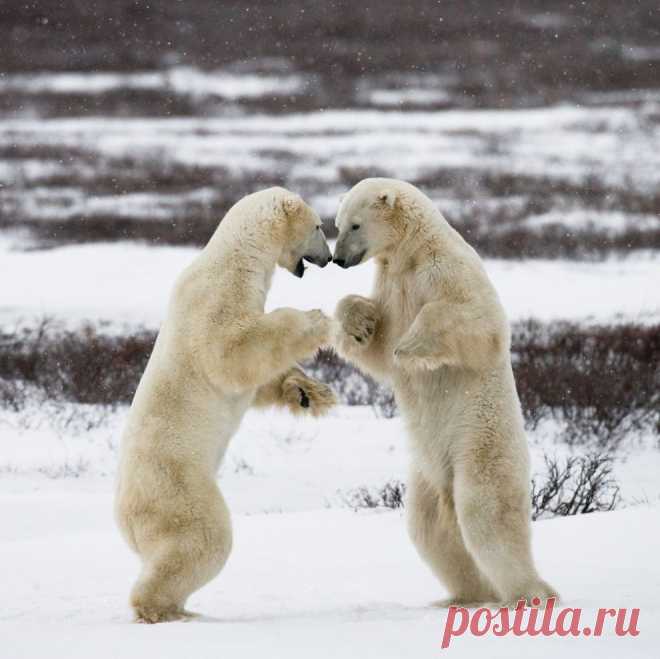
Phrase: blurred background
x=128 y=128
x=315 y=96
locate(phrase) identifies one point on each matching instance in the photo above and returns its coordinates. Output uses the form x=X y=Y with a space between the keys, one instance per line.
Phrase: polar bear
x=216 y=355
x=435 y=329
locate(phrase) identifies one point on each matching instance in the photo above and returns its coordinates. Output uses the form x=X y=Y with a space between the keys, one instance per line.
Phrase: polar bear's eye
x=355 y=227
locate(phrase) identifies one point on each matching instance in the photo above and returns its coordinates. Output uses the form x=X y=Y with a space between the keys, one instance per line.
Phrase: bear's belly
x=228 y=416
x=436 y=407
x=451 y=413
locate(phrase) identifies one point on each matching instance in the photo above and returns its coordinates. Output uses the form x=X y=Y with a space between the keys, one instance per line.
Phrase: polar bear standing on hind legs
x=216 y=355
x=436 y=330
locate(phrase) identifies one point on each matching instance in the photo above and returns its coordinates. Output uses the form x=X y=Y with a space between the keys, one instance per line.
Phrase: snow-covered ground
x=275 y=462
x=64 y=203
x=308 y=576
x=321 y=584
x=125 y=283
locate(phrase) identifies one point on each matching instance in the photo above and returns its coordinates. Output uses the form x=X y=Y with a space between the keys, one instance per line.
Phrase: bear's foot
x=153 y=615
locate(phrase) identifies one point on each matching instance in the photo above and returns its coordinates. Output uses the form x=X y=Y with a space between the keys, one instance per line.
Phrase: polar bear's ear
x=291 y=204
x=387 y=197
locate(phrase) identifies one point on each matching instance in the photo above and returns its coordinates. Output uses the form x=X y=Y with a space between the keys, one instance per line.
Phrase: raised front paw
x=306 y=395
x=358 y=318
x=413 y=353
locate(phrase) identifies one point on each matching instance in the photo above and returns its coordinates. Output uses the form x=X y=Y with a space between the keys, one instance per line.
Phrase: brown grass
x=581 y=484
x=600 y=383
x=603 y=382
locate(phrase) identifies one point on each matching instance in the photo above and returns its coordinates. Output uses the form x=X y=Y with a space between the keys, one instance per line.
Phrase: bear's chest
x=400 y=301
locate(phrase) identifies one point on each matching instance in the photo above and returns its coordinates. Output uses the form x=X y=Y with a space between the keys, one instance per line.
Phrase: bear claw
x=304 y=398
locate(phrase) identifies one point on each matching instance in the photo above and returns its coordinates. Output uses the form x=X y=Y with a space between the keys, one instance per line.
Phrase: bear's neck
x=412 y=250
x=246 y=263
x=426 y=238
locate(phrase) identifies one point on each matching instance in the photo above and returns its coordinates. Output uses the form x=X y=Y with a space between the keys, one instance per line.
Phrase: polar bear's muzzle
x=316 y=250
x=321 y=261
x=349 y=250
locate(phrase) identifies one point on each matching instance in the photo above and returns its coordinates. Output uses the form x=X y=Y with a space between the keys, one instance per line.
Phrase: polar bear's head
x=304 y=239
x=368 y=221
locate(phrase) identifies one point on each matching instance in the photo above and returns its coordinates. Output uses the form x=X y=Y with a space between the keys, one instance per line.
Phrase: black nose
x=329 y=259
x=340 y=262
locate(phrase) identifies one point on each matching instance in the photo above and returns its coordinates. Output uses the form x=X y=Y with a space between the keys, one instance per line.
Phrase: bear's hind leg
x=435 y=532
x=495 y=523
x=178 y=564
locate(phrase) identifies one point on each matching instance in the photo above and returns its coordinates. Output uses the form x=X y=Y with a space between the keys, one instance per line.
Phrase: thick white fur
x=217 y=354
x=435 y=329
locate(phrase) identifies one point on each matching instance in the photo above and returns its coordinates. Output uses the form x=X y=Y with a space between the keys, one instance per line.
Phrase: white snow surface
x=410 y=95
x=181 y=80
x=47 y=204
x=275 y=462
x=129 y=284
x=308 y=577
x=321 y=584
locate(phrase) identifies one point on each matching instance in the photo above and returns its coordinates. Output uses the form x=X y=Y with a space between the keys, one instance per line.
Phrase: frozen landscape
x=352 y=587
x=116 y=164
